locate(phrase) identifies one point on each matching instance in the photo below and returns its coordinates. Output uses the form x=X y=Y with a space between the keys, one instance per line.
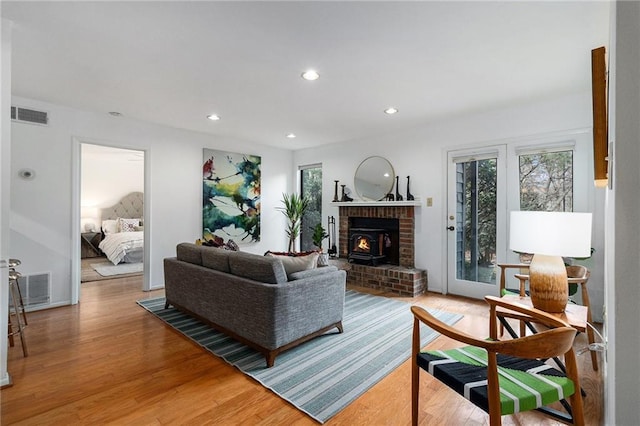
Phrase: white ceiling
x=176 y=62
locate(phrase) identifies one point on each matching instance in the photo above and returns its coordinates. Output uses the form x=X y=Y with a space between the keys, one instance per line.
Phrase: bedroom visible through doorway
x=111 y=212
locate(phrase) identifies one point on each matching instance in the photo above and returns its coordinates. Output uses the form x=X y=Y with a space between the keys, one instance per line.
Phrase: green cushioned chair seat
x=525 y=384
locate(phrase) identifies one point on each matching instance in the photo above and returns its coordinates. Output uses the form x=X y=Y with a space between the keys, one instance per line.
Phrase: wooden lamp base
x=548 y=283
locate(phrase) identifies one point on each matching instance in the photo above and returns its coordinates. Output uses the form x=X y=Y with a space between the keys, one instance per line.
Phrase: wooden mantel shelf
x=416 y=203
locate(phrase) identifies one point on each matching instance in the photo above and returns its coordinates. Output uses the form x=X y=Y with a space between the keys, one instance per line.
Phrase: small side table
x=575 y=315
x=89 y=244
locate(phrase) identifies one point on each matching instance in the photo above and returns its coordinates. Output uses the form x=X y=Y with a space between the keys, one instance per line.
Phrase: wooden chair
x=488 y=366
x=523 y=269
x=578 y=275
x=522 y=277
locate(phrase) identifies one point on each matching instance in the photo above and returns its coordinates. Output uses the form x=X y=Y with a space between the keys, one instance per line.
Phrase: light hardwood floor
x=108 y=361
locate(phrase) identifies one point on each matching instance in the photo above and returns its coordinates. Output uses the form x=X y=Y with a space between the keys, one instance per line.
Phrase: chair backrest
x=578 y=271
x=522 y=268
x=577 y=274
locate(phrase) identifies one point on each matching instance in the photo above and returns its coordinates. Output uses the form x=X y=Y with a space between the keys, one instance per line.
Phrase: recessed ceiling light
x=213 y=117
x=291 y=135
x=115 y=113
x=310 y=75
x=390 y=110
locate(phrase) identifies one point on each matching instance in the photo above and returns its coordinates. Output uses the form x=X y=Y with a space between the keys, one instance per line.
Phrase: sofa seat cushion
x=296 y=262
x=258 y=268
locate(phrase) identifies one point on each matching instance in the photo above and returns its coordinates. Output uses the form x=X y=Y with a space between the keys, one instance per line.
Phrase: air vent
x=35 y=289
x=26 y=115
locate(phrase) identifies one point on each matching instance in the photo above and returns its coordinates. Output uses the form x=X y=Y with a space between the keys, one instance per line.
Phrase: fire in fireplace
x=368 y=245
x=373 y=240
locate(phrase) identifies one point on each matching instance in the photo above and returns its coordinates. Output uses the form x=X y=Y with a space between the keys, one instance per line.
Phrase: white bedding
x=116 y=246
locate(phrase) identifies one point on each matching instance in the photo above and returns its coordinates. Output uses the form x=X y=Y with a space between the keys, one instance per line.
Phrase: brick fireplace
x=401 y=278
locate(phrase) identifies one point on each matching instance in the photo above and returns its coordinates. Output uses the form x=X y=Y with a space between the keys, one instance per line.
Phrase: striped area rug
x=324 y=375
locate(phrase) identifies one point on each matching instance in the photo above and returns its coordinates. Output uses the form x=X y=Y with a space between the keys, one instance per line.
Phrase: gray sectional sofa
x=251 y=298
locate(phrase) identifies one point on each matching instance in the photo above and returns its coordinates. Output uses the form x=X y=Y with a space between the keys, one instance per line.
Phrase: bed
x=123 y=235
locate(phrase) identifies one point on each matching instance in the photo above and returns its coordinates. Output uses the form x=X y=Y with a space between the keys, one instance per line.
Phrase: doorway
x=541 y=172
x=475 y=220
x=110 y=219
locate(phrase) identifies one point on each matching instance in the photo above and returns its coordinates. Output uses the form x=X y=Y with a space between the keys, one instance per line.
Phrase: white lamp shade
x=551 y=233
x=88 y=218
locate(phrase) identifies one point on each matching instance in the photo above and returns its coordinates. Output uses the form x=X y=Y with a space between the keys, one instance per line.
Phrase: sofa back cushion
x=215 y=258
x=258 y=268
x=188 y=252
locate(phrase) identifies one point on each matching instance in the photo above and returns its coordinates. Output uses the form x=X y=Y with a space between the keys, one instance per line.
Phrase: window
x=546 y=181
x=311 y=187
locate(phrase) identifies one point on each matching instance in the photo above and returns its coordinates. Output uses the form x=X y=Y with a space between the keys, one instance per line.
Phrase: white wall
x=5 y=189
x=41 y=212
x=623 y=221
x=420 y=153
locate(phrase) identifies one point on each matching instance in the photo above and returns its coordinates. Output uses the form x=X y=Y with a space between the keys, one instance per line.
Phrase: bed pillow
x=296 y=262
x=110 y=226
x=127 y=225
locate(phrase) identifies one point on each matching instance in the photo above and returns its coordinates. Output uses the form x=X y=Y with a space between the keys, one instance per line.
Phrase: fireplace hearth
x=395 y=273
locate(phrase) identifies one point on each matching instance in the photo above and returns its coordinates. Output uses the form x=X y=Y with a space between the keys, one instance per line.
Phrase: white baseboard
x=5 y=380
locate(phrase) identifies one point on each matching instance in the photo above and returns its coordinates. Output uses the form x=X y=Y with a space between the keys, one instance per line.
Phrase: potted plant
x=319 y=234
x=294 y=208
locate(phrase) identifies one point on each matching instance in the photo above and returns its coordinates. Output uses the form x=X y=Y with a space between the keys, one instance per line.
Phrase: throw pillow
x=110 y=226
x=296 y=262
x=127 y=225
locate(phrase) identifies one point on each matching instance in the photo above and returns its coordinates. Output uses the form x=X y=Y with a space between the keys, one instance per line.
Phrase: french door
x=476 y=214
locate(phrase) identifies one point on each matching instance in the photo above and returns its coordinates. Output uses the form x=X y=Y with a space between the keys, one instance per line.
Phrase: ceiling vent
x=31 y=116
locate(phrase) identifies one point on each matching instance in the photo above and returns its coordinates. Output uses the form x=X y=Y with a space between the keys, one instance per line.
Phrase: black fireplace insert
x=367 y=245
x=373 y=240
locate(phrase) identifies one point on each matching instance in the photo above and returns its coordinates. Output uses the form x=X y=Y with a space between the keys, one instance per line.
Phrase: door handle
x=451 y=228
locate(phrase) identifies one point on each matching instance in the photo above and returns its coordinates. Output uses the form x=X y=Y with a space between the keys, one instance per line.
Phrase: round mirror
x=374 y=179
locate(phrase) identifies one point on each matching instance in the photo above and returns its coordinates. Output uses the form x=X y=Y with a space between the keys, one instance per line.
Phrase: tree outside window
x=311 y=187
x=546 y=181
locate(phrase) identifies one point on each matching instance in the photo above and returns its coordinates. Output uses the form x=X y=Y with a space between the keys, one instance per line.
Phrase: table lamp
x=549 y=236
x=88 y=218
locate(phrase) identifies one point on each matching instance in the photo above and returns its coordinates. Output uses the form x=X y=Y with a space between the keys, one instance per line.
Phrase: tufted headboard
x=131 y=206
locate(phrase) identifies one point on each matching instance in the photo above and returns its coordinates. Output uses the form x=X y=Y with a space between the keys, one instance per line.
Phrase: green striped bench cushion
x=525 y=384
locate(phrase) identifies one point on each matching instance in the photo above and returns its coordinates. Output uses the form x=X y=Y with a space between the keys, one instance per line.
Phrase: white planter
x=323 y=259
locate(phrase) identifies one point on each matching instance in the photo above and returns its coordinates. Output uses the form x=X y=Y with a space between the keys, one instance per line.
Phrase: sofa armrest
x=308 y=304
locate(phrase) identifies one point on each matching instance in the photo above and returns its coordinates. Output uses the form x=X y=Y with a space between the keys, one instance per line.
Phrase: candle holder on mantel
x=335 y=193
